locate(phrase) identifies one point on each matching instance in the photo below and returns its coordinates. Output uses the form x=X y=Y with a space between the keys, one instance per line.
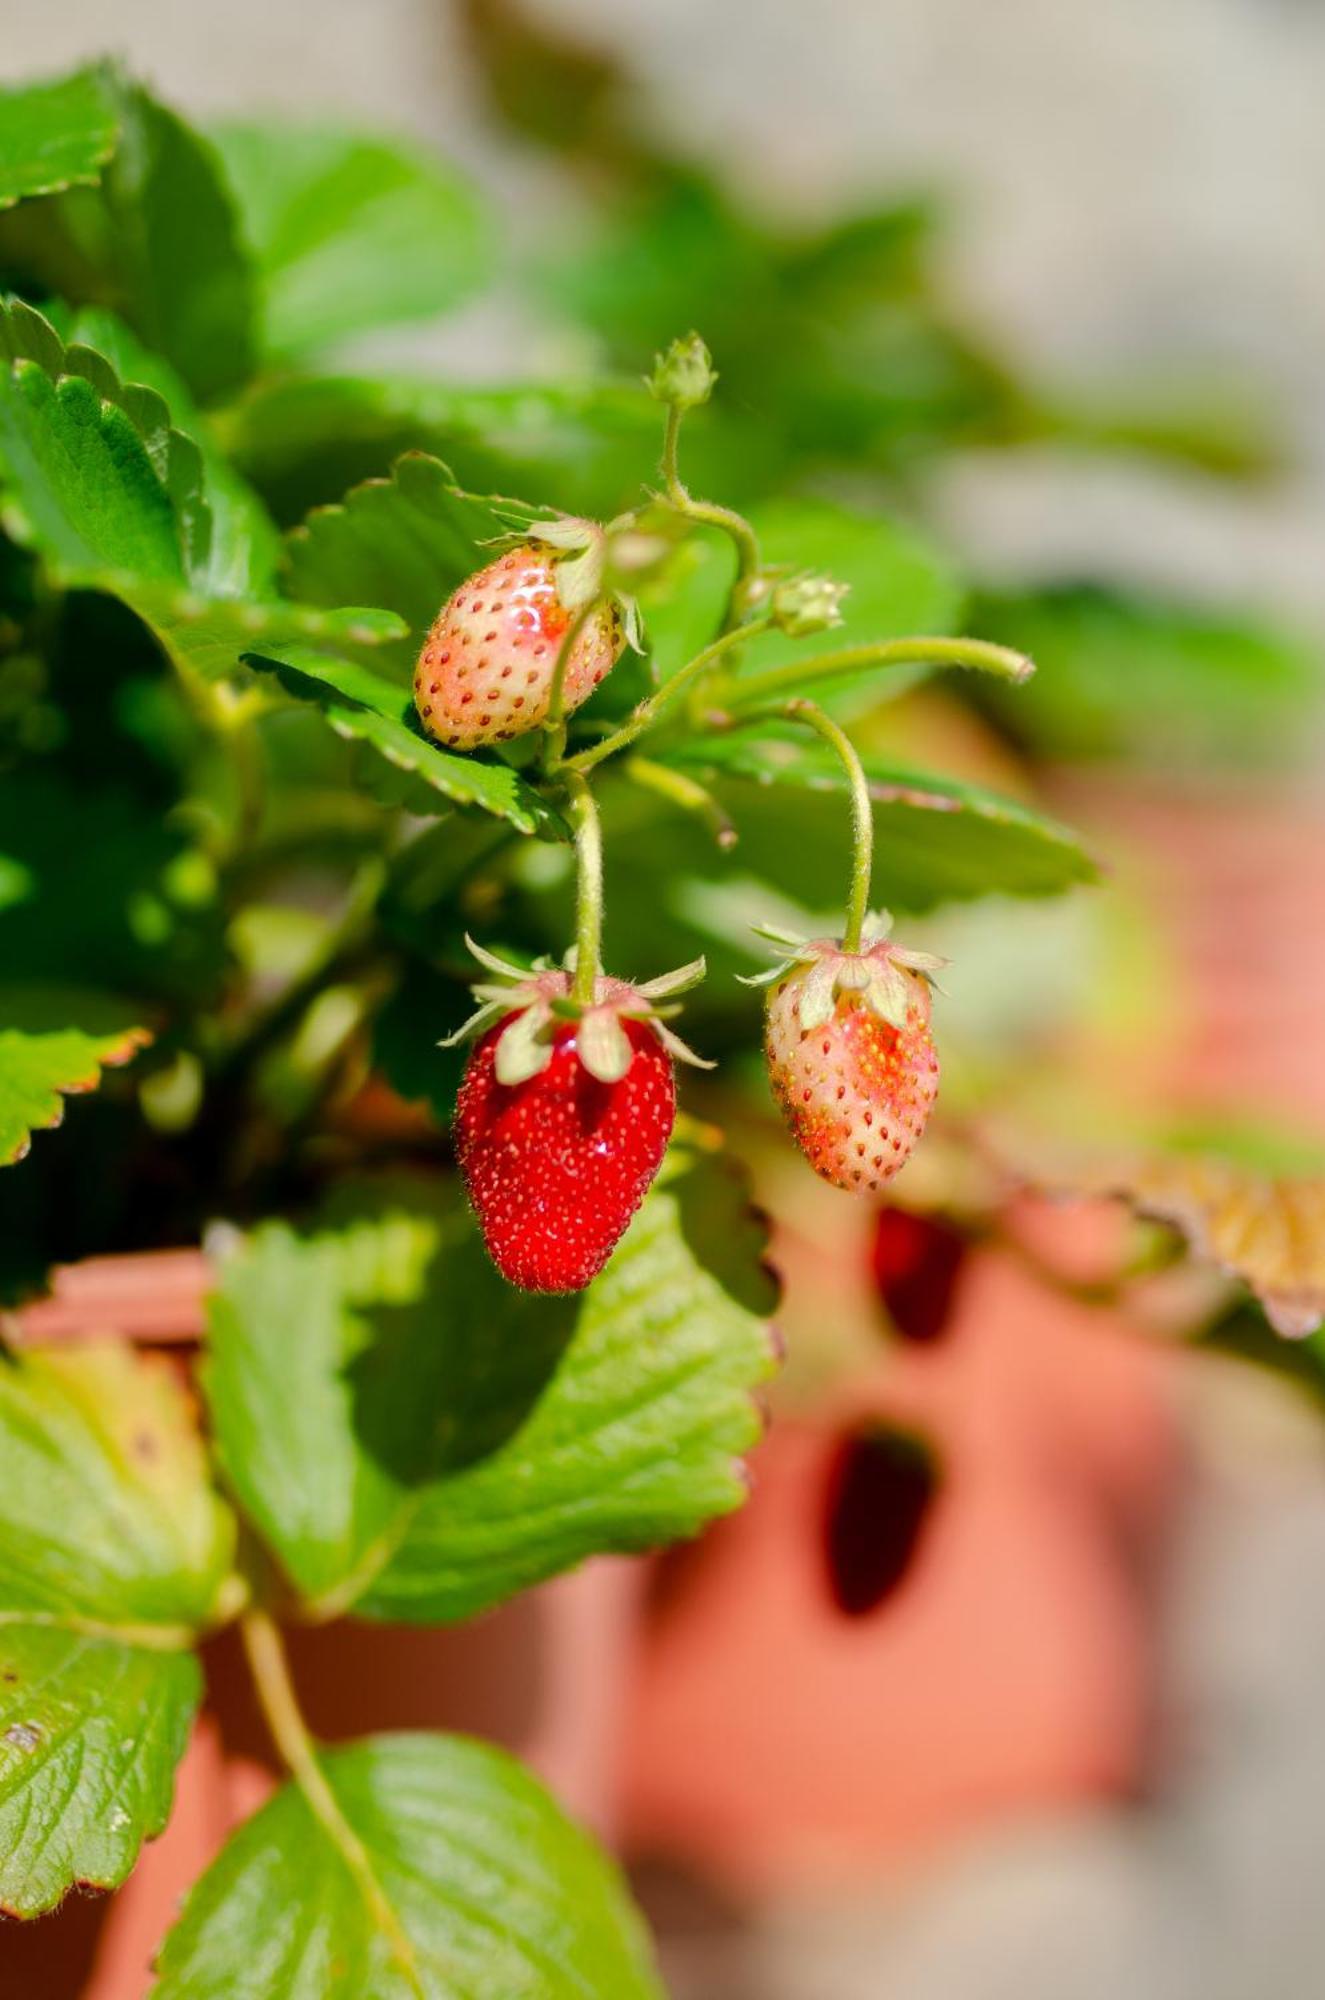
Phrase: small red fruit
x=850 y=1057
x=486 y=669
x=563 y=1119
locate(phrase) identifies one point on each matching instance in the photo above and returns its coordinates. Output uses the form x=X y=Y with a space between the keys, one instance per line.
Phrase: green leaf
x=414 y=1437
x=898 y=584
x=156 y=241
x=499 y=1896
x=96 y=479
x=406 y=542
x=90 y=1734
x=351 y=232
x=105 y=1506
x=935 y=838
x=585 y=447
x=245 y=546
x=55 y=135
x=1153 y=680
x=113 y=1548
x=50 y=1046
x=361 y=704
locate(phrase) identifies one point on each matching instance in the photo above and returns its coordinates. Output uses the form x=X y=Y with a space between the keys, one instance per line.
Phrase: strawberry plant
x=271 y=775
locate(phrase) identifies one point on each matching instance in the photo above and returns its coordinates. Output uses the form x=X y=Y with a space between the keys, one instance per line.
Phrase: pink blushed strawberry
x=485 y=674
x=850 y=1057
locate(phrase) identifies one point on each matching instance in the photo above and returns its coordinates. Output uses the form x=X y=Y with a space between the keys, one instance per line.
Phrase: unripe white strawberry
x=850 y=1057
x=485 y=673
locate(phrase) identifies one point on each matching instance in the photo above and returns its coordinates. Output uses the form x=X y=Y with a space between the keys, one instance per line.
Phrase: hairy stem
x=588 y=888
x=648 y=712
x=862 y=814
x=684 y=791
x=934 y=652
x=270 y=1667
x=709 y=512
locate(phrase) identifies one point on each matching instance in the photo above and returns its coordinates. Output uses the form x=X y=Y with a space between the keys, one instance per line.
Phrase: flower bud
x=685 y=375
x=805 y=604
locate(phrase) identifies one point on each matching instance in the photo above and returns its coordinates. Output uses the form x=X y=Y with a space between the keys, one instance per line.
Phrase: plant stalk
x=265 y=1652
x=657 y=704
x=862 y=814
x=711 y=513
x=936 y=652
x=588 y=888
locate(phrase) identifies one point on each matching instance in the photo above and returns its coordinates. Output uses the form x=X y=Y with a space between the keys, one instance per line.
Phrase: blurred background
x=1006 y=1682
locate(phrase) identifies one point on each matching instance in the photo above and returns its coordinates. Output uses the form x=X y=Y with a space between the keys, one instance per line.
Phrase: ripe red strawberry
x=486 y=669
x=850 y=1057
x=562 y=1123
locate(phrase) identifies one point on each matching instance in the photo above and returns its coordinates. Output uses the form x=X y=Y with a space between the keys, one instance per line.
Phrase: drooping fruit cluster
x=563 y=1118
x=849 y=1053
x=485 y=674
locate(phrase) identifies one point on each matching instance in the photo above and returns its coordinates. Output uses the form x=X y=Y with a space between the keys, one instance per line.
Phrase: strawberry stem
x=935 y=652
x=657 y=704
x=588 y=888
x=270 y=1667
x=711 y=514
x=862 y=815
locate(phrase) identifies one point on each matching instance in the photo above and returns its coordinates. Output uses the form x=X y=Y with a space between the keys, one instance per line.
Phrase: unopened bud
x=684 y=375
x=805 y=604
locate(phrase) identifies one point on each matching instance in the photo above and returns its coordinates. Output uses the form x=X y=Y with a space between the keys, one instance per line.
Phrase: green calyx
x=879 y=976
x=538 y=1001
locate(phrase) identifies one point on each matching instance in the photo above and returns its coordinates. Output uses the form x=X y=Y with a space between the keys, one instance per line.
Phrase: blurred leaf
x=1266 y=1231
x=112 y=1549
x=52 y=1045
x=494 y=1891
x=351 y=231
x=585 y=447
x=108 y=1514
x=898 y=584
x=546 y=84
x=53 y=135
x=416 y=1438
x=118 y=901
x=406 y=542
x=156 y=241
x=423 y=1007
x=1155 y=681
x=935 y=837
x=362 y=704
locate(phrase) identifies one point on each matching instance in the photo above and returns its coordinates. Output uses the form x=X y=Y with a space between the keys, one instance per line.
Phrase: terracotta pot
x=545 y=1676
x=776 y=1741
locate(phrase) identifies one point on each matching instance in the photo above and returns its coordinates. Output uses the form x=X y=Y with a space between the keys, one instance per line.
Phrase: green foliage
x=55 y=135
x=155 y=239
x=360 y=703
x=113 y=1547
x=40 y=1064
x=418 y=1440
x=91 y=1731
x=477 y=1886
x=228 y=847
x=1151 y=680
x=350 y=232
